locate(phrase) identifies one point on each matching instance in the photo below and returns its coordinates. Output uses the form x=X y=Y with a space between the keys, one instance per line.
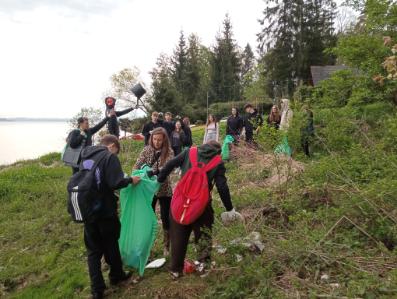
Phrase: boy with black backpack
x=93 y=202
x=191 y=208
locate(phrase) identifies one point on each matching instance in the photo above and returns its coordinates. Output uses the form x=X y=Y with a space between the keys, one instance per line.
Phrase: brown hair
x=82 y=119
x=165 y=149
x=110 y=139
x=213 y=117
x=155 y=113
x=274 y=117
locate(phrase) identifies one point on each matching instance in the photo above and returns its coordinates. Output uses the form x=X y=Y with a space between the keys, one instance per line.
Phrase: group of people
x=277 y=119
x=166 y=148
x=167 y=144
x=178 y=131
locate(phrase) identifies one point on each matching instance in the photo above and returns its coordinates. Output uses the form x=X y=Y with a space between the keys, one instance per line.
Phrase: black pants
x=101 y=239
x=249 y=136
x=179 y=235
x=165 y=203
x=306 y=146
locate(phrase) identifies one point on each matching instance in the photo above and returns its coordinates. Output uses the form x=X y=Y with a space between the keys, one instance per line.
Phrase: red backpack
x=191 y=194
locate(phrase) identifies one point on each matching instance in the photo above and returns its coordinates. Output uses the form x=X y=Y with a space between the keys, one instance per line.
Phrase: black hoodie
x=205 y=153
x=234 y=125
x=109 y=176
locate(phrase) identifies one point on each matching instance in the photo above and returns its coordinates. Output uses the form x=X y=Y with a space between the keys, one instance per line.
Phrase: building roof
x=320 y=73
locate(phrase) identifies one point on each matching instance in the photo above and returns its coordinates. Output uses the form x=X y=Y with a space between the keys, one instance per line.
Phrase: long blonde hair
x=165 y=148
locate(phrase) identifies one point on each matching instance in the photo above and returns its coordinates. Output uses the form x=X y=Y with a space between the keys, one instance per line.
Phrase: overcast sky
x=57 y=56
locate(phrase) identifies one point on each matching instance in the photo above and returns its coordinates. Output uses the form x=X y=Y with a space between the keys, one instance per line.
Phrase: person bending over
x=202 y=227
x=102 y=230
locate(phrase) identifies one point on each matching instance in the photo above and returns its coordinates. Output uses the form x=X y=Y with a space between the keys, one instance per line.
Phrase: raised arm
x=122 y=112
x=98 y=126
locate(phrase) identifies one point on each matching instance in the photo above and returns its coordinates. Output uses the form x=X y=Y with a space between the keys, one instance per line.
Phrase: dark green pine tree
x=179 y=67
x=247 y=67
x=225 y=66
x=276 y=46
x=193 y=76
x=294 y=37
x=164 y=96
x=248 y=60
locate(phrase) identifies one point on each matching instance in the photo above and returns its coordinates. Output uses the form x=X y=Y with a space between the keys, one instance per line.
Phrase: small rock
x=239 y=258
x=324 y=277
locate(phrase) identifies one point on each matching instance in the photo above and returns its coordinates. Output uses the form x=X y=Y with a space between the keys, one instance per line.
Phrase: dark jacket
x=109 y=176
x=308 y=130
x=188 y=136
x=253 y=121
x=75 y=138
x=169 y=126
x=205 y=153
x=275 y=124
x=234 y=125
x=178 y=142
x=150 y=127
x=113 y=124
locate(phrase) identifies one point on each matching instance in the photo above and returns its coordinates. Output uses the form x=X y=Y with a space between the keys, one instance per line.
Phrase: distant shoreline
x=26 y=119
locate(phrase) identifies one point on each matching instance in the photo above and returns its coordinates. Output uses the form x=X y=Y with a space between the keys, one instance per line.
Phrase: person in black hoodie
x=102 y=231
x=168 y=124
x=187 y=131
x=83 y=134
x=149 y=127
x=113 y=124
x=252 y=122
x=234 y=125
x=202 y=227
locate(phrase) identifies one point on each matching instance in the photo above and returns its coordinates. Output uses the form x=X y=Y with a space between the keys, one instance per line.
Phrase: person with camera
x=82 y=136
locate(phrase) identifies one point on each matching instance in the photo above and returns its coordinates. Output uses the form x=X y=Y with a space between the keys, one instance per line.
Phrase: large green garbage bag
x=138 y=221
x=225 y=147
x=284 y=147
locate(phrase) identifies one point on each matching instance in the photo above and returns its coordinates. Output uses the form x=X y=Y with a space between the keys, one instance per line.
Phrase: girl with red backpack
x=191 y=208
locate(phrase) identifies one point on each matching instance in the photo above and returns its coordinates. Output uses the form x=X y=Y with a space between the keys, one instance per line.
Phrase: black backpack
x=84 y=198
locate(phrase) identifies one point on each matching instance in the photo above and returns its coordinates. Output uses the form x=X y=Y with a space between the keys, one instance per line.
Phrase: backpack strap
x=214 y=162
x=193 y=156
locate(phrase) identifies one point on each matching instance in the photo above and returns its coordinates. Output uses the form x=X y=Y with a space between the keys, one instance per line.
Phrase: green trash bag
x=138 y=221
x=284 y=147
x=225 y=147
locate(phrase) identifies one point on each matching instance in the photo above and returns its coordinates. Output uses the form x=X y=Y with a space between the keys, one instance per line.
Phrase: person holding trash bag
x=82 y=136
x=156 y=154
x=206 y=156
x=150 y=126
x=102 y=230
x=113 y=124
x=234 y=125
x=252 y=122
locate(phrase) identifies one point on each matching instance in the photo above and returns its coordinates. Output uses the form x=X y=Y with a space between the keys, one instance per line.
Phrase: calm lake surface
x=22 y=140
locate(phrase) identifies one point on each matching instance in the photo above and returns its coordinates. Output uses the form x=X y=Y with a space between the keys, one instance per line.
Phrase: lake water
x=22 y=140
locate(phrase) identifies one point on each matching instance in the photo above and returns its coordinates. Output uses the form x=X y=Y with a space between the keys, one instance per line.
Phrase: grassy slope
x=42 y=252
